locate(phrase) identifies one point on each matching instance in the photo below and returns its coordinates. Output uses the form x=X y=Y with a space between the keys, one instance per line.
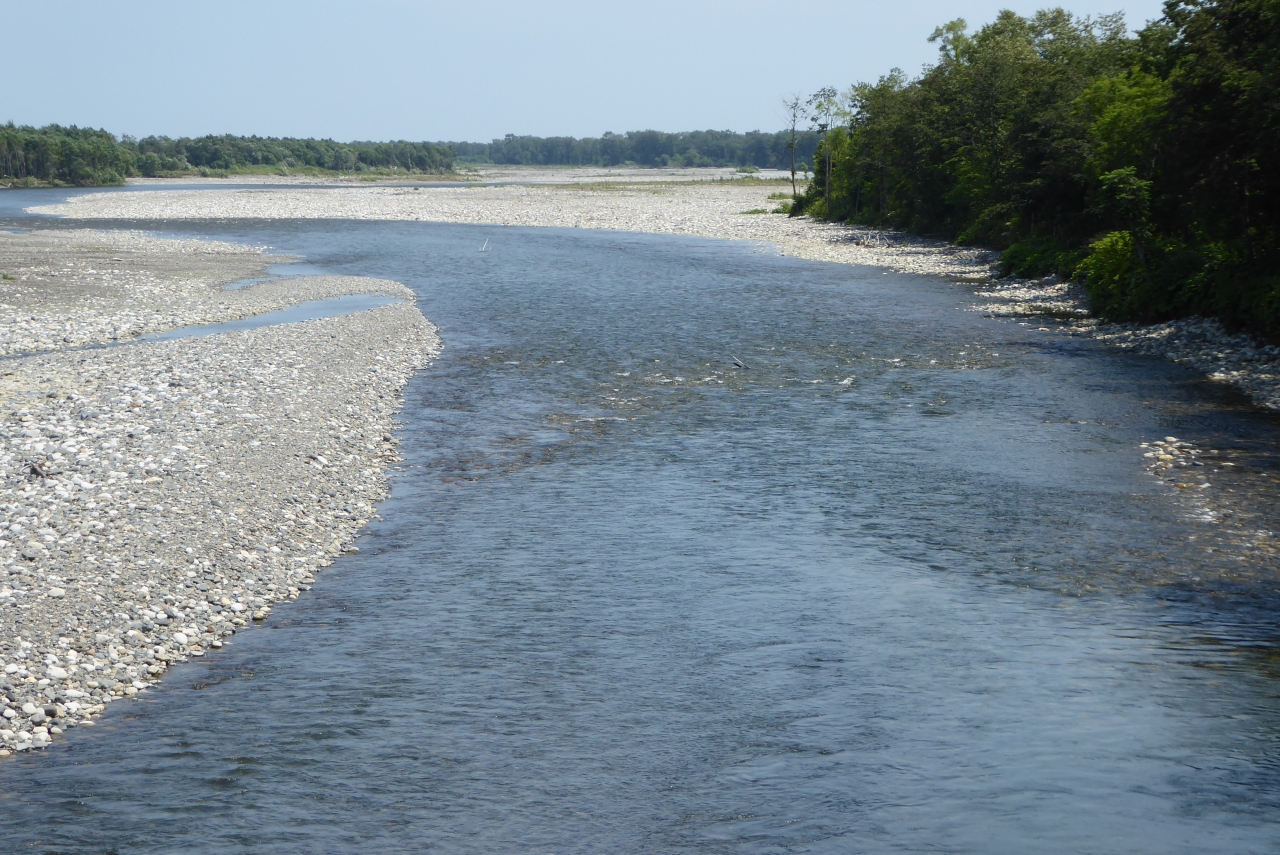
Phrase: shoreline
x=157 y=496
x=467 y=174
x=647 y=201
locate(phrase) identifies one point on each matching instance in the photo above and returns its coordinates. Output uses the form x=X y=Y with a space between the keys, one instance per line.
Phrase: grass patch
x=758 y=211
x=7 y=278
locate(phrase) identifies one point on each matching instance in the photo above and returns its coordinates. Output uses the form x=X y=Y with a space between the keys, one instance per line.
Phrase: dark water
x=902 y=586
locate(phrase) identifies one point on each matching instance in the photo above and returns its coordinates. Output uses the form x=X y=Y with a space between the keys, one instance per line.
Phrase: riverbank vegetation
x=645 y=148
x=57 y=155
x=1142 y=164
x=83 y=157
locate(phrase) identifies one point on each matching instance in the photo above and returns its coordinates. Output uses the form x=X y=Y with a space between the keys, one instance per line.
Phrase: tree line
x=83 y=157
x=158 y=155
x=644 y=148
x=55 y=154
x=1144 y=165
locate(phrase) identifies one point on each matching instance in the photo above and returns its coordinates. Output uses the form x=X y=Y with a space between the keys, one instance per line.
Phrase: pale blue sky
x=400 y=69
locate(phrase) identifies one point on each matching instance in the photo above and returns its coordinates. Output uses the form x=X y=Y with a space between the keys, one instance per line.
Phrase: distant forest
x=84 y=157
x=1145 y=165
x=645 y=148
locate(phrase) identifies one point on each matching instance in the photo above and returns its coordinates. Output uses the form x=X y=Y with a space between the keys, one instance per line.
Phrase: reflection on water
x=904 y=584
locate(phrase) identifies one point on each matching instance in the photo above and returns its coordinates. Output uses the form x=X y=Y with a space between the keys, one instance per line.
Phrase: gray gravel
x=1238 y=359
x=156 y=497
x=675 y=203
x=75 y=288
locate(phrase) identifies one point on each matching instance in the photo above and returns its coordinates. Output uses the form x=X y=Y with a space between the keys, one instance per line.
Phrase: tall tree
x=821 y=109
x=795 y=113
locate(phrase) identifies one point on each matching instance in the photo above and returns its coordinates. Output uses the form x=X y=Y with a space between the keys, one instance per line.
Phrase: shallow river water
x=903 y=584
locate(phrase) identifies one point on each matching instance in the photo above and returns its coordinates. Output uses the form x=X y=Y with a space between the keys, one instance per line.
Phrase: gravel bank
x=713 y=209
x=155 y=497
x=675 y=205
x=1235 y=359
x=67 y=289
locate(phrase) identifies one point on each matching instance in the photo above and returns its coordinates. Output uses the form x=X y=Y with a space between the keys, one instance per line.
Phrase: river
x=901 y=584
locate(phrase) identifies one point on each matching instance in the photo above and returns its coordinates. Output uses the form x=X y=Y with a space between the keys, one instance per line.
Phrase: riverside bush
x=1145 y=162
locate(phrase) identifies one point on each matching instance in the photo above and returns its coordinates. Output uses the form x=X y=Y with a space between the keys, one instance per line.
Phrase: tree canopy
x=1143 y=164
x=81 y=157
x=644 y=148
x=69 y=155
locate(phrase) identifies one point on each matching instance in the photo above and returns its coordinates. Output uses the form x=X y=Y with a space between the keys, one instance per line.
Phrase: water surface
x=903 y=585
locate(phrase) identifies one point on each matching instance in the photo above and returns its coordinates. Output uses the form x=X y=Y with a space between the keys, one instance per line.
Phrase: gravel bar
x=711 y=204
x=158 y=496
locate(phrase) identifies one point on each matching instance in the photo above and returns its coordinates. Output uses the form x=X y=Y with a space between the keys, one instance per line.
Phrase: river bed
x=902 y=583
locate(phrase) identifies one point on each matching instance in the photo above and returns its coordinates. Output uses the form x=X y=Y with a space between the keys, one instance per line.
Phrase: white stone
x=57 y=593
x=57 y=673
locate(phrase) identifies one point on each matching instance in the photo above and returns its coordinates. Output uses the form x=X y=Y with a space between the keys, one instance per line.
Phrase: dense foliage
x=644 y=148
x=157 y=155
x=1144 y=164
x=58 y=155
x=62 y=155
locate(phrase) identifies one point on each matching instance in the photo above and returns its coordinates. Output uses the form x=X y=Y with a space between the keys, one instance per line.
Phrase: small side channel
x=311 y=310
x=276 y=272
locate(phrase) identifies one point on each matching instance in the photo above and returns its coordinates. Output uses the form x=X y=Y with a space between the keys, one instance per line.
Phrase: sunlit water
x=902 y=585
x=310 y=310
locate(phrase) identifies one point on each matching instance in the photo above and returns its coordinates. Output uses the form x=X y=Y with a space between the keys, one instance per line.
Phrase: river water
x=903 y=584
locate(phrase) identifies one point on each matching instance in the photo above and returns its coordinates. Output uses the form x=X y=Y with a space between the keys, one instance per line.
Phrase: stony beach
x=155 y=497
x=716 y=204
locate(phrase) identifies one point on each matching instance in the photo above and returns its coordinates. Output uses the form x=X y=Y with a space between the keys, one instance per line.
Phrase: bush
x=1040 y=257
x=1112 y=275
x=149 y=164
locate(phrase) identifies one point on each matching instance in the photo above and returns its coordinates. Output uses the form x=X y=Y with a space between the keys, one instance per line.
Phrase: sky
x=418 y=70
